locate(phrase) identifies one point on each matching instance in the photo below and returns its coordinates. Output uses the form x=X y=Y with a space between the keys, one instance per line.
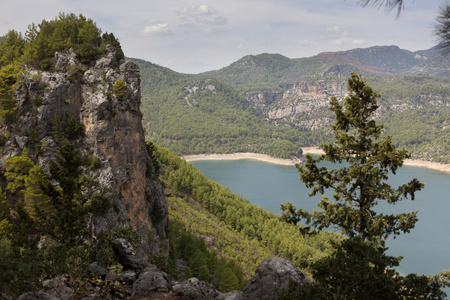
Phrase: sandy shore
x=238 y=156
x=306 y=150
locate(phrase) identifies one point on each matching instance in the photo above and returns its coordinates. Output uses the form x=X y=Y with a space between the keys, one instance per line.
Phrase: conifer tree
x=67 y=199
x=359 y=268
x=359 y=186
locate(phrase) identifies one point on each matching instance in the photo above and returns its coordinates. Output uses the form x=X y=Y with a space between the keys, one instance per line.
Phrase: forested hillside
x=274 y=105
x=188 y=114
x=232 y=227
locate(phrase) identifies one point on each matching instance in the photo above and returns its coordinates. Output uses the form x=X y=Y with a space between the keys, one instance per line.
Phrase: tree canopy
x=67 y=31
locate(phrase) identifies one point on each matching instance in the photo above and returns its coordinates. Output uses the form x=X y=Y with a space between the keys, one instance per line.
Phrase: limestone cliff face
x=112 y=133
x=308 y=97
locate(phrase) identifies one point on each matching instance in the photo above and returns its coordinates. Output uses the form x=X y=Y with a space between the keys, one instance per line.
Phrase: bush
x=120 y=89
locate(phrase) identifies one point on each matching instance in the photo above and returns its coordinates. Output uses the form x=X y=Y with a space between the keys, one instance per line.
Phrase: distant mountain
x=379 y=61
x=269 y=103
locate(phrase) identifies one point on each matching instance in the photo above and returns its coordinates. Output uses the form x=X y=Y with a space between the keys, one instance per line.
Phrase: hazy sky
x=193 y=36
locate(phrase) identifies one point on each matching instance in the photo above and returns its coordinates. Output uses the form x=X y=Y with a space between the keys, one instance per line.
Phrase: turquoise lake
x=425 y=250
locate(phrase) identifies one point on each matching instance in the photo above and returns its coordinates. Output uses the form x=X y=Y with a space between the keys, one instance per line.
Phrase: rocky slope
x=112 y=135
x=142 y=280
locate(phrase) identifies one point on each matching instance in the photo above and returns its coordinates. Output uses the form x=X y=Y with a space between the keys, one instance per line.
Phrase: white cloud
x=306 y=43
x=200 y=35
x=158 y=29
x=334 y=32
x=347 y=41
x=201 y=14
x=340 y=37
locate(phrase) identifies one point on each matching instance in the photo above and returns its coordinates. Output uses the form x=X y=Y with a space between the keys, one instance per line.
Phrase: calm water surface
x=425 y=249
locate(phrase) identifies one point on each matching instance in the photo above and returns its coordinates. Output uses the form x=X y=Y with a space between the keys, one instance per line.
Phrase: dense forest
x=191 y=114
x=261 y=233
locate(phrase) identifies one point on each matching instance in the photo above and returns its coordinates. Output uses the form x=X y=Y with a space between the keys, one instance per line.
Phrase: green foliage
x=17 y=169
x=120 y=89
x=284 y=149
x=5 y=215
x=360 y=186
x=66 y=127
x=12 y=48
x=33 y=211
x=110 y=39
x=95 y=163
x=245 y=232
x=359 y=267
x=62 y=33
x=155 y=165
x=425 y=132
x=58 y=35
x=360 y=270
x=102 y=251
x=68 y=200
x=190 y=121
x=195 y=115
x=203 y=263
x=8 y=78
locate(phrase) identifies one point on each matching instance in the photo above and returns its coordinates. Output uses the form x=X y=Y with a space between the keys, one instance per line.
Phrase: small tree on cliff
x=359 y=269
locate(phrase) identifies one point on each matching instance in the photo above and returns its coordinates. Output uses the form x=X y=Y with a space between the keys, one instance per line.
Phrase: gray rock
x=271 y=277
x=64 y=59
x=151 y=280
x=127 y=256
x=98 y=271
x=128 y=276
x=36 y=296
x=59 y=287
x=233 y=295
x=196 y=289
x=21 y=141
x=109 y=60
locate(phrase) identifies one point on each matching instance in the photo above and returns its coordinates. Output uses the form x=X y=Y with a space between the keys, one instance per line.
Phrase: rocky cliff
x=112 y=136
x=309 y=98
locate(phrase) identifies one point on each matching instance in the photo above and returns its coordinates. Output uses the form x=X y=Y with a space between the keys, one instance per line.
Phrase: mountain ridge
x=376 y=61
x=293 y=95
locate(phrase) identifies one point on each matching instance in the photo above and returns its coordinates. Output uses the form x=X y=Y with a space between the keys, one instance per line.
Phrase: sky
x=193 y=36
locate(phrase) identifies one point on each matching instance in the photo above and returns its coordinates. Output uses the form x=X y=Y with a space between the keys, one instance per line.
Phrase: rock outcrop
x=272 y=277
x=143 y=280
x=306 y=97
x=112 y=135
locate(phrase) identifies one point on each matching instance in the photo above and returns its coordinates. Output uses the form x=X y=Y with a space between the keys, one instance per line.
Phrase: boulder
x=59 y=287
x=127 y=256
x=151 y=280
x=98 y=271
x=65 y=59
x=272 y=276
x=196 y=289
x=233 y=295
x=36 y=296
x=109 y=60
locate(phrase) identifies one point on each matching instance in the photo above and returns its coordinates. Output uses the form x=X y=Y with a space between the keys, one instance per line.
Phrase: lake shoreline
x=306 y=150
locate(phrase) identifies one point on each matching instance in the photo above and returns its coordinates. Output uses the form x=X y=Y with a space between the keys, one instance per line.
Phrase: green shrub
x=119 y=88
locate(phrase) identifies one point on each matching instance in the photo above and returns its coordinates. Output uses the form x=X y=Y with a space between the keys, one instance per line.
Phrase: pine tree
x=359 y=186
x=359 y=268
x=5 y=215
x=67 y=199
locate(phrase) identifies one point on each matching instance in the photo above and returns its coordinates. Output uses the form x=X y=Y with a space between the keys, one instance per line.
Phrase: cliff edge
x=103 y=98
